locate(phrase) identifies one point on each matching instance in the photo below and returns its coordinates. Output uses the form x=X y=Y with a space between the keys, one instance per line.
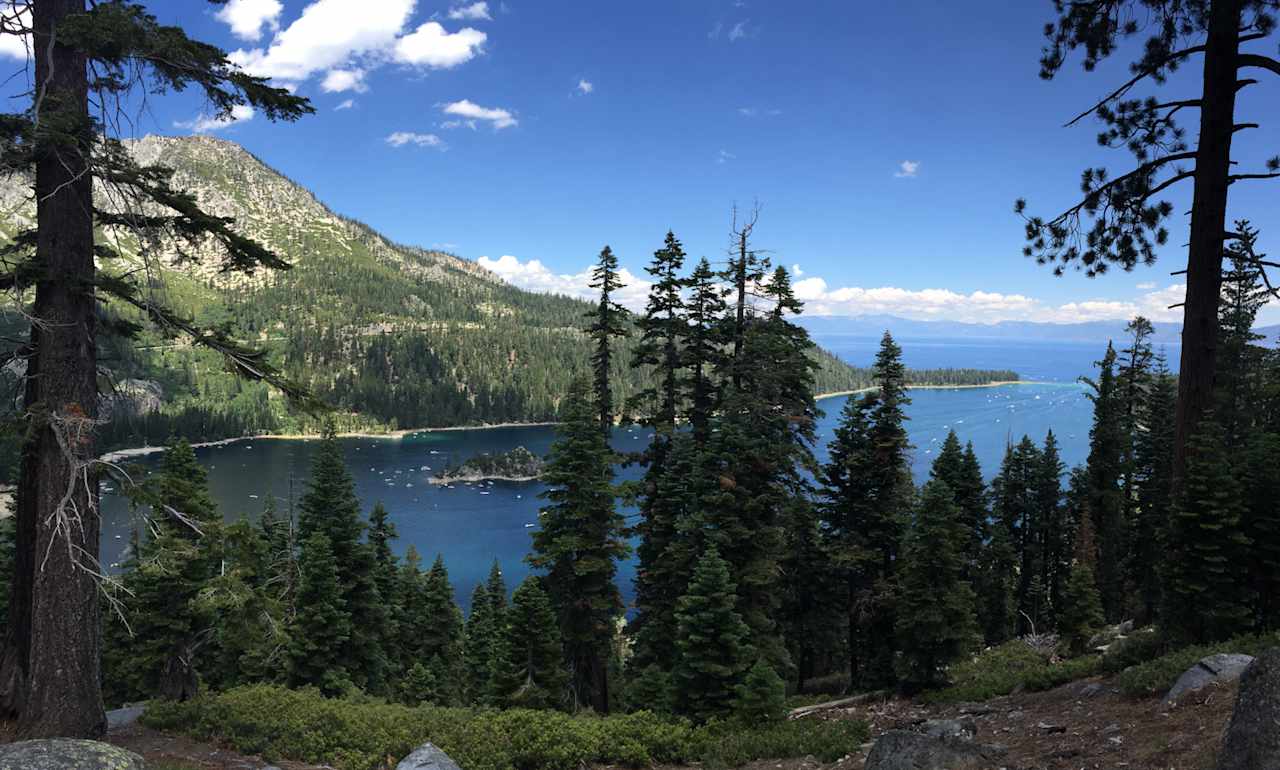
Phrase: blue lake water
x=471 y=525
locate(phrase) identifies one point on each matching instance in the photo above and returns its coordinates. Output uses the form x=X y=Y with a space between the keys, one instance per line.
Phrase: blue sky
x=885 y=142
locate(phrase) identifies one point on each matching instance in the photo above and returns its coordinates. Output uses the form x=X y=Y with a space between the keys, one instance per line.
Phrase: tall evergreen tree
x=478 y=646
x=607 y=323
x=1153 y=479
x=322 y=627
x=712 y=640
x=960 y=470
x=1053 y=533
x=935 y=614
x=440 y=640
x=1240 y=359
x=1015 y=549
x=529 y=667
x=702 y=354
x=1107 y=442
x=579 y=544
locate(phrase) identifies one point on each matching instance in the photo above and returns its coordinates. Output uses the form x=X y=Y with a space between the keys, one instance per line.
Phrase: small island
x=517 y=465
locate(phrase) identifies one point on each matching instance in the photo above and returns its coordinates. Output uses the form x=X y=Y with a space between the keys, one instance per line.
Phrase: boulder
x=1252 y=741
x=904 y=750
x=964 y=728
x=67 y=754
x=1222 y=667
x=427 y=757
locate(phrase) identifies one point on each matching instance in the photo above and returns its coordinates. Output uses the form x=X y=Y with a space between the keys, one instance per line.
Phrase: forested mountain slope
x=391 y=335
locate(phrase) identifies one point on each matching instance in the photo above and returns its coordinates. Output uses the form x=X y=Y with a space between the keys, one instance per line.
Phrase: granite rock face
x=427 y=757
x=1252 y=741
x=906 y=750
x=67 y=754
x=1222 y=667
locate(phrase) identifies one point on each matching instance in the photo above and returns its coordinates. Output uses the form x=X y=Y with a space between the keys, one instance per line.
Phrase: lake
x=471 y=525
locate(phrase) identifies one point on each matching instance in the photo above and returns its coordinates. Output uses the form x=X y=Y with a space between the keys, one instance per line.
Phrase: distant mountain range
x=1091 y=331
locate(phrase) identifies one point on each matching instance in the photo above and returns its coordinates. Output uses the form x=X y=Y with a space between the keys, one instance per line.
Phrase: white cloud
x=207 y=123
x=470 y=112
x=921 y=304
x=247 y=17
x=1146 y=285
x=14 y=46
x=432 y=46
x=337 y=81
x=585 y=86
x=473 y=12
x=401 y=138
x=738 y=31
x=715 y=31
x=535 y=276
x=907 y=169
x=725 y=156
x=345 y=105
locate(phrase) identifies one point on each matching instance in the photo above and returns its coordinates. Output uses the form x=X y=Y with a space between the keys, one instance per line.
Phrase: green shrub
x=1141 y=646
x=1155 y=677
x=1000 y=670
x=302 y=725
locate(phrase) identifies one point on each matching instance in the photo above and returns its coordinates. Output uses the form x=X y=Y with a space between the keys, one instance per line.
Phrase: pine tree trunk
x=1208 y=226
x=57 y=501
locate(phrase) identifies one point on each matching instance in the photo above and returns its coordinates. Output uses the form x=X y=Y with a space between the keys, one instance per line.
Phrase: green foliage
x=302 y=726
x=761 y=697
x=1141 y=646
x=321 y=629
x=419 y=686
x=1081 y=614
x=1156 y=676
x=712 y=641
x=1000 y=670
x=528 y=659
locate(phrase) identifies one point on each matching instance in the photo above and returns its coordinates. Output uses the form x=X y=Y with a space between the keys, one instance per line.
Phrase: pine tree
x=478 y=645
x=702 y=354
x=960 y=470
x=712 y=641
x=249 y=638
x=579 y=544
x=529 y=668
x=1053 y=535
x=1153 y=481
x=1261 y=525
x=1239 y=361
x=762 y=696
x=935 y=613
x=419 y=685
x=440 y=640
x=322 y=626
x=1107 y=446
x=1204 y=565
x=413 y=617
x=1081 y=612
x=383 y=573
x=607 y=322
x=330 y=507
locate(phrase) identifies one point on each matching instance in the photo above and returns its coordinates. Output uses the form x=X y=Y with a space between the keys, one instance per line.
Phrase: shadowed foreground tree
x=85 y=63
x=1127 y=214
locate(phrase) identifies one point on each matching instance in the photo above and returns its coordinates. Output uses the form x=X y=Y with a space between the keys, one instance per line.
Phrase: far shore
x=396 y=435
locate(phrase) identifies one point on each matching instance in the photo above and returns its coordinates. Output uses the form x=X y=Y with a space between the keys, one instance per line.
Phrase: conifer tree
x=322 y=628
x=413 y=617
x=496 y=586
x=1240 y=359
x=712 y=640
x=330 y=507
x=762 y=696
x=1204 y=566
x=1053 y=534
x=1107 y=442
x=1261 y=525
x=960 y=470
x=383 y=574
x=579 y=544
x=279 y=535
x=440 y=640
x=935 y=613
x=419 y=685
x=607 y=322
x=1081 y=612
x=529 y=667
x=249 y=638
x=482 y=627
x=1153 y=481
x=702 y=354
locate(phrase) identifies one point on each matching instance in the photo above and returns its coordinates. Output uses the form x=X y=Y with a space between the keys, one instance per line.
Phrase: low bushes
x=1156 y=676
x=1001 y=670
x=302 y=725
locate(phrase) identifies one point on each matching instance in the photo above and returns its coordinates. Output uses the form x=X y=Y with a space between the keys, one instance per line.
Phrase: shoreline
x=397 y=435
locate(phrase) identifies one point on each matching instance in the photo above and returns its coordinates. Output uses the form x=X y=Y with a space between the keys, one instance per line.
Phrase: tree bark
x=57 y=502
x=1208 y=226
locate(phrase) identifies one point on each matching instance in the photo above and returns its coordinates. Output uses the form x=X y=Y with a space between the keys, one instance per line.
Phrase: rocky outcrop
x=1223 y=667
x=905 y=750
x=1252 y=741
x=67 y=754
x=427 y=757
x=517 y=465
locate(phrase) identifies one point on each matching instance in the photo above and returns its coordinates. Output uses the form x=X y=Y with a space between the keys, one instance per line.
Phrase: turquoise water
x=471 y=525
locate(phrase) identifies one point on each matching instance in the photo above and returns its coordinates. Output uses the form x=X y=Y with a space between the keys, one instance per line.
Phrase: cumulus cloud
x=345 y=44
x=205 y=124
x=738 y=31
x=1146 y=285
x=401 y=138
x=823 y=300
x=724 y=156
x=585 y=86
x=345 y=105
x=907 y=169
x=469 y=113
x=473 y=12
x=247 y=17
x=337 y=81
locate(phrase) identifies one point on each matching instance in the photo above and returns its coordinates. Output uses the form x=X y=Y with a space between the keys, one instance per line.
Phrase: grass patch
x=1001 y=670
x=1156 y=676
x=279 y=723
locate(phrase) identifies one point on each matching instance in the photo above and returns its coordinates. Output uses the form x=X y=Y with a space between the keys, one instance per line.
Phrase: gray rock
x=903 y=750
x=1223 y=667
x=117 y=718
x=1252 y=741
x=963 y=728
x=67 y=754
x=427 y=757
x=1090 y=690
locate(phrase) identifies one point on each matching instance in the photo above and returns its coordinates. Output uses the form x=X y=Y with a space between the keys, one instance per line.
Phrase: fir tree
x=413 y=616
x=762 y=696
x=321 y=629
x=712 y=641
x=419 y=685
x=1239 y=362
x=1053 y=535
x=1081 y=612
x=1153 y=481
x=249 y=637
x=1204 y=564
x=1261 y=525
x=662 y=329
x=607 y=322
x=529 y=668
x=579 y=544
x=440 y=640
x=935 y=613
x=960 y=470
x=702 y=354
x=483 y=625
x=1107 y=447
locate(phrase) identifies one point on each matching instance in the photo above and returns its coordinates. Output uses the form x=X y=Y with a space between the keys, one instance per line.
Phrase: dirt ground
x=1082 y=725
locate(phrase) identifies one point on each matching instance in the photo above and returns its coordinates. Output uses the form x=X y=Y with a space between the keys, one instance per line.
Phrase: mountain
x=391 y=335
x=1090 y=331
